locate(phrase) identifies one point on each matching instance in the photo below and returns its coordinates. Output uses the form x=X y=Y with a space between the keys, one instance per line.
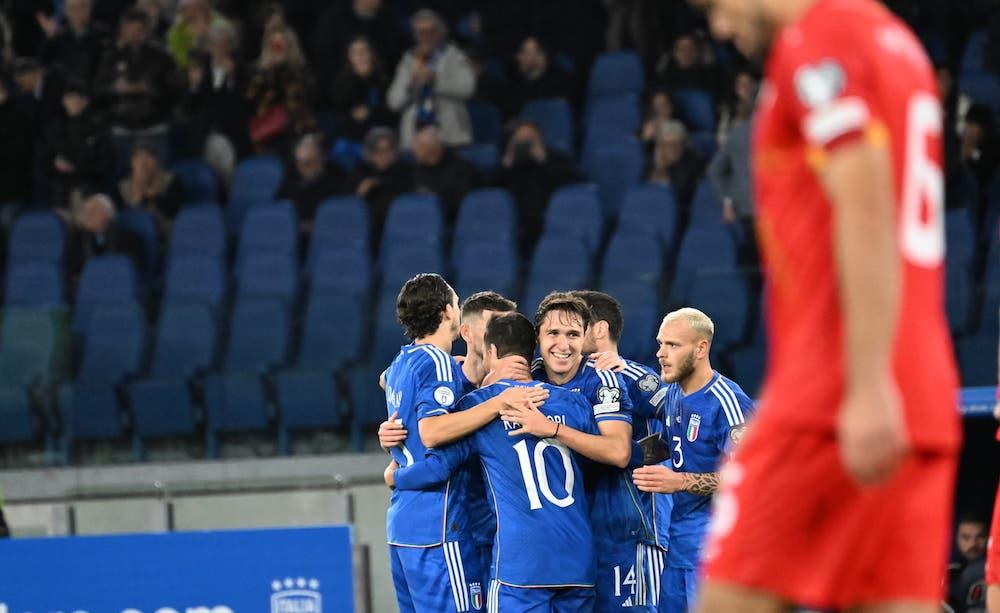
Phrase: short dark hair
x=971 y=518
x=512 y=334
x=134 y=14
x=603 y=307
x=487 y=301
x=421 y=303
x=565 y=302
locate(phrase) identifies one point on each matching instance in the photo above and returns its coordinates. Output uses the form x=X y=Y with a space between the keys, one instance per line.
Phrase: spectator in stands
x=40 y=90
x=439 y=170
x=532 y=172
x=381 y=176
x=6 y=40
x=729 y=176
x=344 y=22
x=687 y=67
x=966 y=589
x=98 y=233
x=659 y=111
x=970 y=537
x=138 y=83
x=489 y=89
x=190 y=30
x=281 y=93
x=432 y=83
x=151 y=188
x=311 y=181
x=215 y=102
x=979 y=143
x=158 y=13
x=358 y=92
x=78 y=44
x=740 y=104
x=18 y=148
x=537 y=77
x=676 y=163
x=79 y=150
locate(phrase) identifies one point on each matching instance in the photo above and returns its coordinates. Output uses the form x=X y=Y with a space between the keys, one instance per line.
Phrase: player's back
x=850 y=69
x=543 y=536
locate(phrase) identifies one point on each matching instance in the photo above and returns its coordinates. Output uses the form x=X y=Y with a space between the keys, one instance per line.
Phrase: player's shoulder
x=730 y=398
x=426 y=357
x=639 y=374
x=537 y=364
x=600 y=378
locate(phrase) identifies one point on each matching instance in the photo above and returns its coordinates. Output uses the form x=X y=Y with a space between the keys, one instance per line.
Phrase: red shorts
x=789 y=521
x=993 y=549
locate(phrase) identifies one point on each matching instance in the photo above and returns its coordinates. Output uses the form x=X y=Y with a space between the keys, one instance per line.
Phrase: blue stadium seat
x=144 y=226
x=37 y=236
x=747 y=367
x=35 y=284
x=340 y=222
x=555 y=118
x=614 y=115
x=616 y=168
x=988 y=322
x=88 y=413
x=200 y=183
x=575 y=211
x=388 y=336
x=701 y=250
x=616 y=73
x=706 y=208
x=308 y=399
x=725 y=298
x=485 y=157
x=598 y=140
x=269 y=275
x=972 y=57
x=344 y=270
x=486 y=266
x=485 y=120
x=642 y=318
x=484 y=215
x=17 y=420
x=34 y=344
x=186 y=343
x=413 y=218
x=403 y=261
x=697 y=108
x=977 y=359
x=234 y=402
x=559 y=263
x=255 y=181
x=105 y=280
x=650 y=209
x=632 y=257
x=195 y=279
x=705 y=143
x=960 y=237
x=958 y=295
x=269 y=228
x=367 y=400
x=198 y=231
x=333 y=333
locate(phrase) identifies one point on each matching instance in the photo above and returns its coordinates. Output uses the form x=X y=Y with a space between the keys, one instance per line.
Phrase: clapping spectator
x=190 y=30
x=358 y=92
x=532 y=172
x=686 y=67
x=80 y=150
x=97 y=233
x=149 y=187
x=660 y=111
x=381 y=176
x=676 y=163
x=537 y=77
x=77 y=45
x=432 y=83
x=311 y=181
x=439 y=170
x=280 y=91
x=17 y=152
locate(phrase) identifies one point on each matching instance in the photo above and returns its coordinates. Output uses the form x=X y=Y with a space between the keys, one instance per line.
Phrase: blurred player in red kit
x=840 y=496
x=993 y=547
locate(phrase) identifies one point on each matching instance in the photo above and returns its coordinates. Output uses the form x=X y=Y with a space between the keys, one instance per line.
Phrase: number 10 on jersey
x=535 y=476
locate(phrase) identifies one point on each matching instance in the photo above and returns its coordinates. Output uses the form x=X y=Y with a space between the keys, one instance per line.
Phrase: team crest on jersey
x=649 y=383
x=608 y=395
x=476 y=593
x=819 y=84
x=694 y=424
x=444 y=396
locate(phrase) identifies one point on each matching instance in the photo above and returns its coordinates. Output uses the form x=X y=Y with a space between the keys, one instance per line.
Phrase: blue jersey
x=615 y=511
x=423 y=381
x=701 y=427
x=647 y=391
x=543 y=537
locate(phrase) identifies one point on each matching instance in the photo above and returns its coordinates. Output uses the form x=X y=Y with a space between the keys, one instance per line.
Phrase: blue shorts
x=504 y=598
x=445 y=578
x=678 y=590
x=628 y=577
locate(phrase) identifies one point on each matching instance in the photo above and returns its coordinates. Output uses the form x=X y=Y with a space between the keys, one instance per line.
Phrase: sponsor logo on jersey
x=649 y=383
x=608 y=395
x=694 y=424
x=476 y=591
x=299 y=595
x=444 y=396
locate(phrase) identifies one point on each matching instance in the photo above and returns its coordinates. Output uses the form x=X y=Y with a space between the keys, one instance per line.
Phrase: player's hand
x=389 y=475
x=531 y=420
x=522 y=398
x=871 y=431
x=391 y=433
x=607 y=360
x=510 y=367
x=657 y=479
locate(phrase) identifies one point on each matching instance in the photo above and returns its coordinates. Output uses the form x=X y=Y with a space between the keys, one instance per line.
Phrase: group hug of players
x=580 y=482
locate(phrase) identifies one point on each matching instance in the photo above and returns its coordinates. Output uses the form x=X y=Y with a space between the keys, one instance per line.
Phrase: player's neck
x=473 y=368
x=603 y=346
x=557 y=379
x=442 y=339
x=698 y=379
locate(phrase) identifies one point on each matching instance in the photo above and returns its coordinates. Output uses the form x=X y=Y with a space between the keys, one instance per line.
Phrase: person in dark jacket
x=439 y=170
x=97 y=233
x=18 y=150
x=79 y=153
x=381 y=176
x=77 y=45
x=311 y=181
x=676 y=163
x=358 y=92
x=537 y=78
x=531 y=173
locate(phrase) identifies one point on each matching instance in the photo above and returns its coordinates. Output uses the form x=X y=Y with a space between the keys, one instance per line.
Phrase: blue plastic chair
x=616 y=73
x=199 y=180
x=575 y=211
x=198 y=231
x=650 y=209
x=555 y=118
x=37 y=235
x=255 y=181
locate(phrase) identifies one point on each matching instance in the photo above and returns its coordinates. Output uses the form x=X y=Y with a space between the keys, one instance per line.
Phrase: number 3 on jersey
x=525 y=460
x=922 y=239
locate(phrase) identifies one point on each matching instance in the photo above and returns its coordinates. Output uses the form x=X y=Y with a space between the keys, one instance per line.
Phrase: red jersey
x=849 y=69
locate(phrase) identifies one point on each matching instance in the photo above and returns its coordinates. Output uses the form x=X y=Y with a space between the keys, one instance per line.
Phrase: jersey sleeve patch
x=649 y=383
x=445 y=396
x=819 y=84
x=824 y=125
